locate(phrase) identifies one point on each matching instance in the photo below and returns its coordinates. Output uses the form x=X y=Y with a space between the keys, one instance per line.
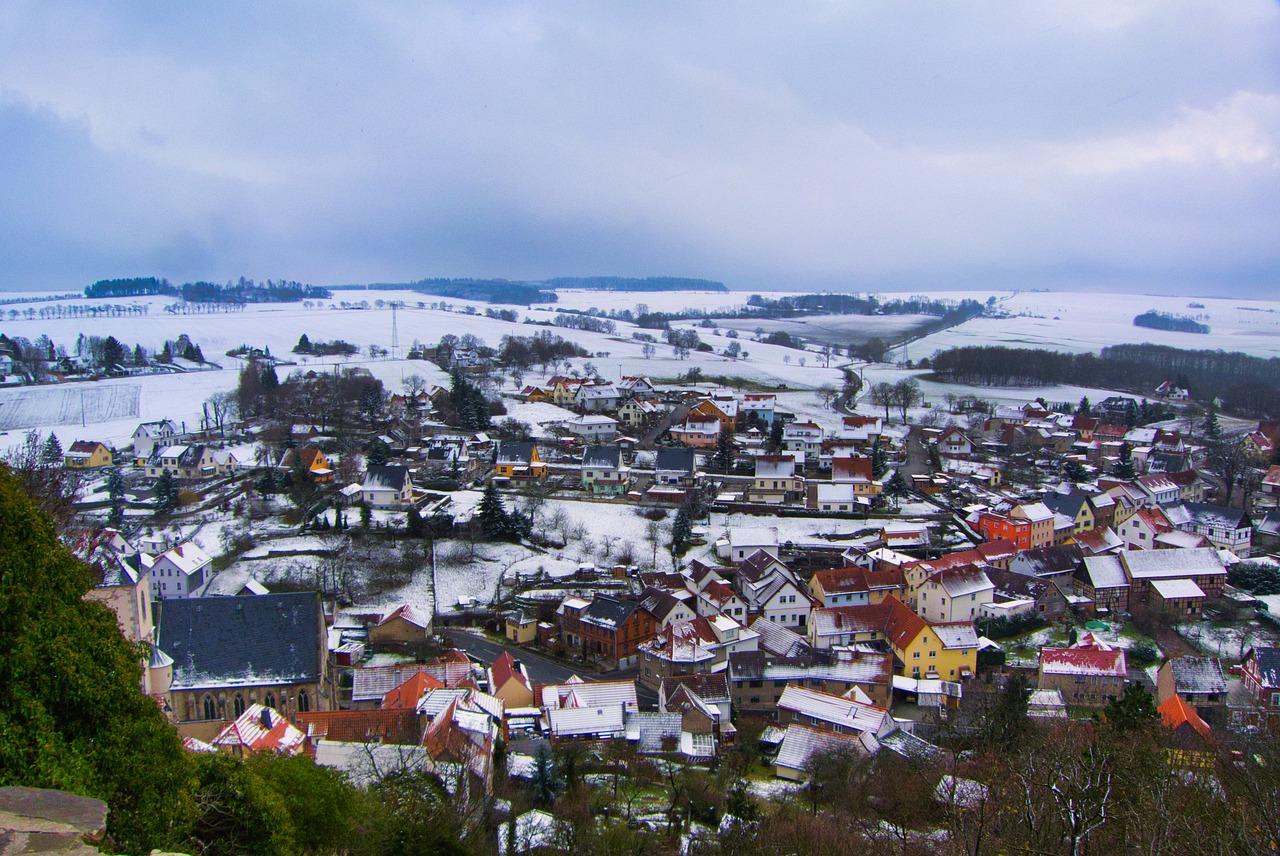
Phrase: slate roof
x=1102 y=572
x=608 y=611
x=385 y=477
x=1268 y=666
x=1154 y=564
x=602 y=457
x=514 y=453
x=1045 y=561
x=681 y=460
x=1066 y=503
x=800 y=743
x=1216 y=516
x=242 y=641
x=1198 y=675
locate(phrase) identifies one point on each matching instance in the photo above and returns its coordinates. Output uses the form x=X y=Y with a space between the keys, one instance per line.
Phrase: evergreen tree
x=546 y=782
x=1124 y=468
x=115 y=484
x=897 y=486
x=270 y=380
x=166 y=354
x=681 y=531
x=71 y=714
x=413 y=522
x=494 y=521
x=1084 y=408
x=1211 y=428
x=139 y=356
x=722 y=460
x=366 y=515
x=776 y=431
x=51 y=451
x=377 y=454
x=1134 y=710
x=303 y=346
x=878 y=464
x=166 y=493
x=1075 y=472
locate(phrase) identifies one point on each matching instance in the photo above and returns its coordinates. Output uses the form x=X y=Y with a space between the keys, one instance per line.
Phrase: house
x=185 y=462
x=776 y=482
x=578 y=710
x=260 y=729
x=1172 y=392
x=148 y=435
x=613 y=629
x=693 y=647
x=592 y=427
x=521 y=628
x=800 y=743
x=860 y=431
x=603 y=471
x=713 y=690
x=231 y=652
x=1269 y=488
x=675 y=467
x=1199 y=681
x=855 y=470
x=742 y=541
x=638 y=412
x=1027 y=525
x=1201 y=565
x=1087 y=675
x=311 y=460
x=762 y=405
x=1043 y=596
x=518 y=461
x=125 y=589
x=802 y=437
x=666 y=608
x=87 y=455
x=1260 y=673
x=776 y=597
x=403 y=627
x=953 y=443
x=1177 y=599
x=835 y=714
x=838 y=497
x=564 y=390
x=387 y=486
x=697 y=433
x=947 y=651
x=723 y=411
x=597 y=398
x=1159 y=488
x=180 y=572
x=1103 y=581
x=954 y=594
x=635 y=386
x=1142 y=531
x=1074 y=506
x=1056 y=562
x=716 y=597
x=855 y=586
x=509 y=682
x=1226 y=528
x=757 y=678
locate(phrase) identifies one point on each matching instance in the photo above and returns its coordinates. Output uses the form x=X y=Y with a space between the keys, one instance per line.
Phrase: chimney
x=265 y=718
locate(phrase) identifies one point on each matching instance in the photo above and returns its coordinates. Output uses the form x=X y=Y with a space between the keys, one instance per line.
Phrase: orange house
x=706 y=410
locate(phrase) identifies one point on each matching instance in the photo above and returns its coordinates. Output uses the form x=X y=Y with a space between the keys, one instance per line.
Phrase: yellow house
x=87 y=455
x=521 y=629
x=519 y=461
x=564 y=390
x=947 y=651
x=509 y=682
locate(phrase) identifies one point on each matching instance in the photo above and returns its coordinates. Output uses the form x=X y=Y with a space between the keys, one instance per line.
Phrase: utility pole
x=395 y=332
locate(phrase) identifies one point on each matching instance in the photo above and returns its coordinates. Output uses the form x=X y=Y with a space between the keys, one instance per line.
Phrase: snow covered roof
x=602 y=457
x=753 y=536
x=242 y=641
x=595 y=694
x=261 y=729
x=1083 y=661
x=1155 y=564
x=1197 y=675
x=801 y=743
x=587 y=721
x=1176 y=589
x=385 y=478
x=1105 y=572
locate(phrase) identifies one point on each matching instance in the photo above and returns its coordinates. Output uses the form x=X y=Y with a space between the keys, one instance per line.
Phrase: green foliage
x=878 y=465
x=377 y=453
x=1007 y=628
x=240 y=812
x=722 y=460
x=1124 y=468
x=1255 y=577
x=1142 y=654
x=1134 y=710
x=411 y=814
x=324 y=810
x=681 y=530
x=1008 y=722
x=166 y=493
x=71 y=713
x=546 y=783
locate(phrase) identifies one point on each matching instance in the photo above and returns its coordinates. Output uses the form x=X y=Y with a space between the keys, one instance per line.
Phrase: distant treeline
x=242 y=291
x=948 y=312
x=487 y=290
x=1164 y=321
x=1246 y=385
x=625 y=283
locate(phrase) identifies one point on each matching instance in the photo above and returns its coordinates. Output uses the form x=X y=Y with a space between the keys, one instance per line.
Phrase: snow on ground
x=538 y=415
x=1088 y=322
x=1228 y=642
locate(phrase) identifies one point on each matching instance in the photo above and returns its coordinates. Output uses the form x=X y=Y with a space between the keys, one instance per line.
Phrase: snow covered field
x=70 y=404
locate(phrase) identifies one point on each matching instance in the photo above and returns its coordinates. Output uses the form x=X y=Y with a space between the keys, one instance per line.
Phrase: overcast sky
x=843 y=145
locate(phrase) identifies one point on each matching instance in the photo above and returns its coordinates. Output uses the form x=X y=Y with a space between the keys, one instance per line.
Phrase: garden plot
x=22 y=408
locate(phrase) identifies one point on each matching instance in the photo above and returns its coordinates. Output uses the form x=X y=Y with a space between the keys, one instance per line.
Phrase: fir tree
x=878 y=465
x=51 y=451
x=1124 y=468
x=1211 y=428
x=413 y=524
x=303 y=346
x=775 y=435
x=1084 y=408
x=1075 y=472
x=723 y=458
x=494 y=521
x=681 y=531
x=166 y=493
x=546 y=782
x=897 y=486
x=139 y=356
x=1134 y=710
x=366 y=515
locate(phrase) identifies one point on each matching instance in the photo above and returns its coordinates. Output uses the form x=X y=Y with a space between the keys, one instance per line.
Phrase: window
x=915 y=655
x=238 y=704
x=210 y=708
x=779 y=683
x=304 y=703
x=270 y=700
x=933 y=654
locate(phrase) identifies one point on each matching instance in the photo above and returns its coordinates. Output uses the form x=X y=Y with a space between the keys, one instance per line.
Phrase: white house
x=592 y=427
x=180 y=572
x=387 y=487
x=955 y=594
x=597 y=398
x=150 y=434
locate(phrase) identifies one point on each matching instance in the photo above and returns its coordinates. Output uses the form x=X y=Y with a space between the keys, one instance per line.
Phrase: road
x=543 y=670
x=650 y=438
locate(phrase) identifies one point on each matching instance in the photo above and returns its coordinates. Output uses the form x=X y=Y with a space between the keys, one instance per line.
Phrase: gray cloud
x=833 y=145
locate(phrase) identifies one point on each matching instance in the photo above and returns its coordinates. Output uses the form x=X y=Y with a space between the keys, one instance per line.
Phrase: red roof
x=503 y=670
x=361 y=726
x=405 y=696
x=1083 y=661
x=1175 y=713
x=851 y=468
